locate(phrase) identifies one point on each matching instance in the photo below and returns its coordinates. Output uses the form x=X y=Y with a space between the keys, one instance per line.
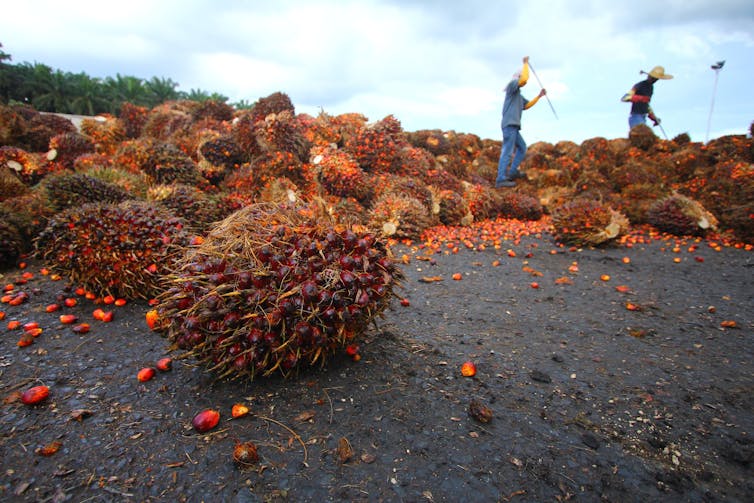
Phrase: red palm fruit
x=239 y=410
x=35 y=394
x=108 y=299
x=25 y=340
x=34 y=332
x=405 y=302
x=205 y=420
x=468 y=369
x=98 y=314
x=70 y=302
x=107 y=317
x=81 y=328
x=152 y=318
x=80 y=291
x=120 y=302
x=31 y=325
x=2 y=315
x=9 y=287
x=67 y=319
x=13 y=324
x=6 y=298
x=164 y=364
x=145 y=374
x=51 y=308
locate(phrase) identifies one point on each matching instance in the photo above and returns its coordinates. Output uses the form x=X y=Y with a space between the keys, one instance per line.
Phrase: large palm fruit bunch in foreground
x=587 y=222
x=682 y=216
x=275 y=288
x=122 y=249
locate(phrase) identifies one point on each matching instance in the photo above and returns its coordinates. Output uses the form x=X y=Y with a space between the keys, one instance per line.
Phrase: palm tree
x=160 y=90
x=126 y=88
x=90 y=97
x=5 y=76
x=52 y=90
x=242 y=105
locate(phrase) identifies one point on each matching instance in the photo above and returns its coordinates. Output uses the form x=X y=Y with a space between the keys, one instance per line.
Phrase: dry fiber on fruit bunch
x=275 y=287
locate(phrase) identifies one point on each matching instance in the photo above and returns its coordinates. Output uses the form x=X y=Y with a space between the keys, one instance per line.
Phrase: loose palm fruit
x=35 y=395
x=205 y=420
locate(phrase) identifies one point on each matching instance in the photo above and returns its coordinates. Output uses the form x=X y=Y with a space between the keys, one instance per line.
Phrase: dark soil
x=590 y=401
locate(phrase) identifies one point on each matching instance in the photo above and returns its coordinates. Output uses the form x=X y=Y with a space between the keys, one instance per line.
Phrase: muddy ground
x=590 y=401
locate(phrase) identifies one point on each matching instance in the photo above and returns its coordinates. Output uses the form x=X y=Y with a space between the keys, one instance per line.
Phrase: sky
x=439 y=64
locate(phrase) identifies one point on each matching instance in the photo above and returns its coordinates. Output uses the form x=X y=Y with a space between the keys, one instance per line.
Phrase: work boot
x=505 y=183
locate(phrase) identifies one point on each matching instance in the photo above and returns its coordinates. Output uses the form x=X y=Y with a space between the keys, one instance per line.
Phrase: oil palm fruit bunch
x=408 y=186
x=454 y=210
x=214 y=110
x=642 y=137
x=26 y=165
x=281 y=132
x=123 y=250
x=195 y=206
x=133 y=117
x=340 y=174
x=10 y=184
x=105 y=132
x=681 y=216
x=442 y=179
x=13 y=126
x=483 y=200
x=276 y=164
x=587 y=222
x=29 y=213
x=413 y=161
x=132 y=155
x=376 y=146
x=165 y=163
x=274 y=289
x=66 y=147
x=399 y=216
x=218 y=156
x=519 y=205
x=635 y=200
x=11 y=241
x=164 y=123
x=274 y=103
x=64 y=190
x=91 y=161
x=433 y=140
x=43 y=127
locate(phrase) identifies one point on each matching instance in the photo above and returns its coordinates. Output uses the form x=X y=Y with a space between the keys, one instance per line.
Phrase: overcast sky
x=432 y=64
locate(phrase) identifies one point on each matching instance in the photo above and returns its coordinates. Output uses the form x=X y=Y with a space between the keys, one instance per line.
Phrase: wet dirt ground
x=590 y=400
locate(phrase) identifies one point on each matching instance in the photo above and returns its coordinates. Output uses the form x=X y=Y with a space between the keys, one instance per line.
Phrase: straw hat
x=658 y=72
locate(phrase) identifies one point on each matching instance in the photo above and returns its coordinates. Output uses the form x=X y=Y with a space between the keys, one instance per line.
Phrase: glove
x=656 y=120
x=638 y=98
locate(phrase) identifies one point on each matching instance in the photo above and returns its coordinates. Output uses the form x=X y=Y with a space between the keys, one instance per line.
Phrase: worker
x=640 y=95
x=514 y=147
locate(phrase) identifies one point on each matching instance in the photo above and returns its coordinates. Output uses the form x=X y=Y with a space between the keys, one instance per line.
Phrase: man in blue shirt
x=639 y=97
x=514 y=146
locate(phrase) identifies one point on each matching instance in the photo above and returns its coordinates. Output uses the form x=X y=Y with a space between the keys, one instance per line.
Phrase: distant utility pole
x=717 y=67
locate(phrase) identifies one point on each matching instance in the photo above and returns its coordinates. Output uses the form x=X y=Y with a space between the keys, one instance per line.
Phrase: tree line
x=49 y=90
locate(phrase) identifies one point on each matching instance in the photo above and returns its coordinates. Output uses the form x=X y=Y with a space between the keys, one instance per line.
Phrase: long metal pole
x=542 y=87
x=712 y=105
